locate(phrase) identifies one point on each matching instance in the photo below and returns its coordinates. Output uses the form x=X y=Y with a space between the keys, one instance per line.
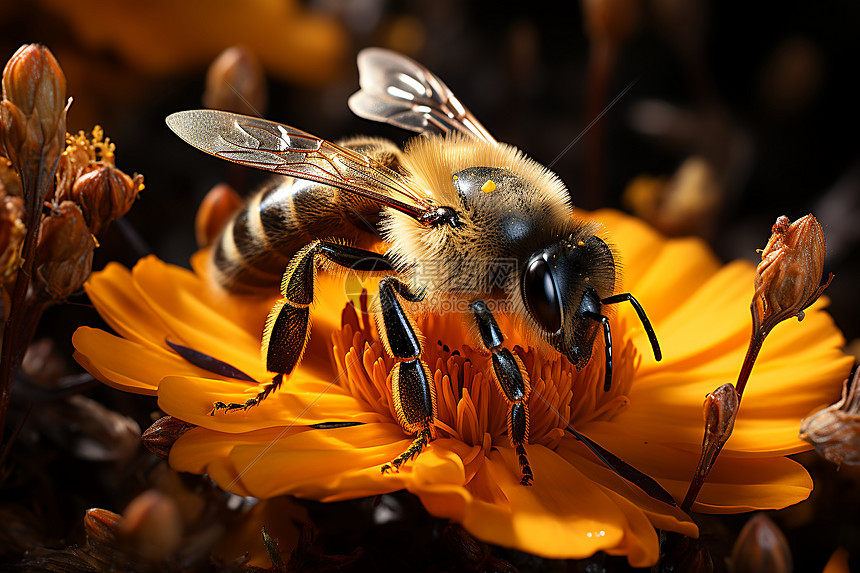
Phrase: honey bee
x=453 y=208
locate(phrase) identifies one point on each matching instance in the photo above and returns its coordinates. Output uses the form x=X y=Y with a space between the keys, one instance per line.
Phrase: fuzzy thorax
x=499 y=224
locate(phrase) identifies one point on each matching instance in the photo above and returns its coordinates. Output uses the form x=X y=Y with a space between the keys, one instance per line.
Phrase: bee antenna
x=649 y=330
x=607 y=347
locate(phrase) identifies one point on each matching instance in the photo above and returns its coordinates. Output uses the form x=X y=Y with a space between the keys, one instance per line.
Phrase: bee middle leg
x=412 y=387
x=512 y=381
x=288 y=326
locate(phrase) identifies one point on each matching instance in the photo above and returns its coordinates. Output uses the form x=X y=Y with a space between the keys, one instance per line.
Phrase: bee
x=453 y=208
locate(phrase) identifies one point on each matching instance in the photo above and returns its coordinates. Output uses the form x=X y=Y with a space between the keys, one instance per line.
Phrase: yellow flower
x=651 y=418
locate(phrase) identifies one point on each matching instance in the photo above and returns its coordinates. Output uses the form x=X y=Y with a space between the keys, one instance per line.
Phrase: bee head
x=562 y=287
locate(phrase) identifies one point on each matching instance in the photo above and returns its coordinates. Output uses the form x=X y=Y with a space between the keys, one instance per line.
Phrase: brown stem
x=756 y=341
x=20 y=325
x=711 y=451
x=706 y=462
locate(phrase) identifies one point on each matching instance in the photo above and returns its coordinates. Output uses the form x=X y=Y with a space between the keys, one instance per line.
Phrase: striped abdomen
x=254 y=248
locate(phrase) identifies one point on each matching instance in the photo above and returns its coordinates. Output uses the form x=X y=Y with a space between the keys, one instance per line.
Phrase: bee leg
x=412 y=387
x=513 y=382
x=288 y=326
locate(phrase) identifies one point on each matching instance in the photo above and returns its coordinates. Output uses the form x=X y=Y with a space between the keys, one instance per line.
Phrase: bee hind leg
x=288 y=326
x=513 y=383
x=412 y=389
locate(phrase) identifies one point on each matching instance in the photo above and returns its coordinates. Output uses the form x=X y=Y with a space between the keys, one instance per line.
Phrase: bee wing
x=286 y=150
x=402 y=92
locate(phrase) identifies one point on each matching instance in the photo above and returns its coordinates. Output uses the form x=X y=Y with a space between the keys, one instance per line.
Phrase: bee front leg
x=288 y=326
x=412 y=388
x=513 y=383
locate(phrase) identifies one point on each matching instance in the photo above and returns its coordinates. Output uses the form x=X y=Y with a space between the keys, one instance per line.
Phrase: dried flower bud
x=236 y=82
x=161 y=436
x=12 y=232
x=835 y=430
x=34 y=82
x=87 y=175
x=43 y=364
x=74 y=161
x=838 y=562
x=64 y=254
x=102 y=525
x=787 y=279
x=761 y=548
x=32 y=113
x=151 y=526
x=216 y=209
x=719 y=410
x=105 y=194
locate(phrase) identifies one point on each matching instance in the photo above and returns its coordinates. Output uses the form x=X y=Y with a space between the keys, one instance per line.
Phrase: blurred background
x=719 y=117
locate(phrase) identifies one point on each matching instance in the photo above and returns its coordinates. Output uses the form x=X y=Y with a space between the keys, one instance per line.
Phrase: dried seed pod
x=152 y=526
x=33 y=106
x=838 y=562
x=42 y=363
x=105 y=193
x=788 y=279
x=835 y=430
x=161 y=435
x=719 y=410
x=219 y=205
x=761 y=548
x=88 y=176
x=80 y=153
x=102 y=525
x=236 y=82
x=64 y=254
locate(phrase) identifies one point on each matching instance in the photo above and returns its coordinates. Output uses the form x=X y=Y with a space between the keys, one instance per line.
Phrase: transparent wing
x=286 y=150
x=402 y=92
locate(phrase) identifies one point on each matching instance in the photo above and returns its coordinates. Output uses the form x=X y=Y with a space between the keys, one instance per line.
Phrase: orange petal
x=680 y=269
x=779 y=482
x=564 y=516
x=716 y=316
x=326 y=465
x=178 y=301
x=113 y=294
x=736 y=483
x=661 y=515
x=306 y=402
x=124 y=364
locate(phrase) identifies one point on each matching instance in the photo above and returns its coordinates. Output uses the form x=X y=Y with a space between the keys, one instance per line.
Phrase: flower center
x=470 y=407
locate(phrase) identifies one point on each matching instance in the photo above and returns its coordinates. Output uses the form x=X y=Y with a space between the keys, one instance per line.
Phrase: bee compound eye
x=541 y=295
